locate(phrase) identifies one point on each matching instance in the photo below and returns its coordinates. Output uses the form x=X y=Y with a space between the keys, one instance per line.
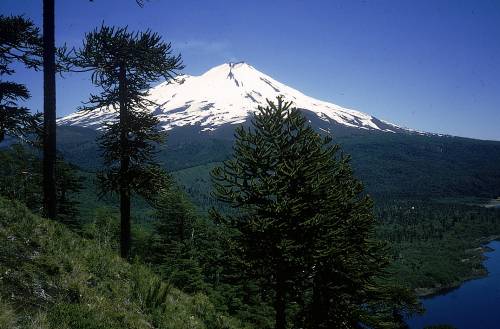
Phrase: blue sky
x=429 y=65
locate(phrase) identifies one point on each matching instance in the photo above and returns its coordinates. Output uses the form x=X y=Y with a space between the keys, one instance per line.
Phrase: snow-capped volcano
x=228 y=94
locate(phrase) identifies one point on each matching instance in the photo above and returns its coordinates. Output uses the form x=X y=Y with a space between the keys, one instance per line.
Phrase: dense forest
x=278 y=232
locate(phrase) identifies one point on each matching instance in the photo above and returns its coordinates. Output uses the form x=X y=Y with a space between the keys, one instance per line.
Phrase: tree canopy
x=20 y=42
x=305 y=230
x=123 y=65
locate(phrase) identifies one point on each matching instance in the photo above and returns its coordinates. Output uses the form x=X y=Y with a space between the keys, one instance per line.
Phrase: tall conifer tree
x=176 y=238
x=304 y=230
x=123 y=65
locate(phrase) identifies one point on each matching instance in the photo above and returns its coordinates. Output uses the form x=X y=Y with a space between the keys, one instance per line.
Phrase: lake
x=474 y=305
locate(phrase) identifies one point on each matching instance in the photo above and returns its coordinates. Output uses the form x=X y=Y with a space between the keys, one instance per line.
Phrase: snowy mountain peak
x=227 y=94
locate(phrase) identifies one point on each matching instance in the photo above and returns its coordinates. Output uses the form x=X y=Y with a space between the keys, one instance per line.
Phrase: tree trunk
x=280 y=302
x=49 y=111
x=125 y=220
x=124 y=167
x=318 y=307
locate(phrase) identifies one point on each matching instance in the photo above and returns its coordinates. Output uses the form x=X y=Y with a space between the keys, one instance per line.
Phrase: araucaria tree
x=123 y=65
x=20 y=42
x=304 y=231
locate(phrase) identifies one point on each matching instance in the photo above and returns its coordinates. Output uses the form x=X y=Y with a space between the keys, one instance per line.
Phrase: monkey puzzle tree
x=123 y=65
x=19 y=42
x=304 y=230
x=274 y=183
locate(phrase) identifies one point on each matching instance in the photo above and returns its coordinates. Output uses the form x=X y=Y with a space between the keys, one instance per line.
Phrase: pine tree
x=269 y=184
x=176 y=231
x=19 y=42
x=123 y=65
x=304 y=231
x=68 y=184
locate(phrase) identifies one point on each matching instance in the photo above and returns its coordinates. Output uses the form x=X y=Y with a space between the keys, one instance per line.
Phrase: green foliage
x=302 y=228
x=7 y=315
x=123 y=65
x=178 y=236
x=432 y=244
x=150 y=292
x=189 y=251
x=435 y=245
x=68 y=184
x=21 y=177
x=391 y=166
x=53 y=278
x=20 y=41
x=104 y=228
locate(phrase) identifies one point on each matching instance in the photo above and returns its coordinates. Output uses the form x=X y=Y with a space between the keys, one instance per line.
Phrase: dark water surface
x=474 y=305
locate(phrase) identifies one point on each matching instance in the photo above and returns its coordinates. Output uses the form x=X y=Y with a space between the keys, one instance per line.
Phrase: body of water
x=474 y=305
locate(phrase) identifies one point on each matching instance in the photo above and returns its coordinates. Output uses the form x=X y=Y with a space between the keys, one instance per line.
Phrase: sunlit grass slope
x=51 y=277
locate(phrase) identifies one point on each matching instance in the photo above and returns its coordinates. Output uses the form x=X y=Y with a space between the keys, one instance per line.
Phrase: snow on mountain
x=227 y=94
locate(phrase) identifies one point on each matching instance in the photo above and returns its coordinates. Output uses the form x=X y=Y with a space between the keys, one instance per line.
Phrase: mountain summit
x=228 y=94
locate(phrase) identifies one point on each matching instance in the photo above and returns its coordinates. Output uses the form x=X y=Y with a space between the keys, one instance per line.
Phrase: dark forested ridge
x=396 y=165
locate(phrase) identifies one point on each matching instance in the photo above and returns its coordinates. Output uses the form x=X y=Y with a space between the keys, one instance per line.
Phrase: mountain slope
x=391 y=166
x=397 y=165
x=53 y=278
x=226 y=95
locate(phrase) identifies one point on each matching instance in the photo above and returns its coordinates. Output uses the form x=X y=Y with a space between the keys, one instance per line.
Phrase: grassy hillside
x=53 y=278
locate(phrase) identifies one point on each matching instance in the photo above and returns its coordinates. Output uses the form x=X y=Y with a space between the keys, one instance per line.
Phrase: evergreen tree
x=124 y=64
x=267 y=184
x=348 y=278
x=175 y=240
x=68 y=184
x=19 y=42
x=20 y=176
x=304 y=232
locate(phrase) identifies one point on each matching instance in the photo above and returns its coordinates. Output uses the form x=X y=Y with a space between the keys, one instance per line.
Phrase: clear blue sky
x=432 y=65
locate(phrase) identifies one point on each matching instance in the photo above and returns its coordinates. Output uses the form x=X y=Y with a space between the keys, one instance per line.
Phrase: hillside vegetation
x=395 y=165
x=54 y=278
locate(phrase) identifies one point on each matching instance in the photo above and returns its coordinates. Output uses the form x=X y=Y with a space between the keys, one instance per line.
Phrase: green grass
x=53 y=278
